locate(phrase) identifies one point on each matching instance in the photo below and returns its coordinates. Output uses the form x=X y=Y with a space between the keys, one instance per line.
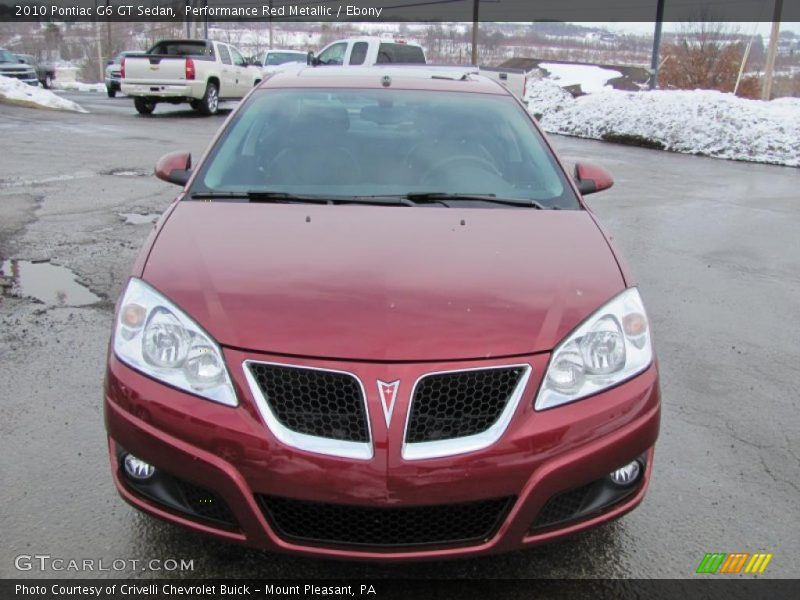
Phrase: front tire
x=209 y=104
x=112 y=93
x=48 y=82
x=144 y=106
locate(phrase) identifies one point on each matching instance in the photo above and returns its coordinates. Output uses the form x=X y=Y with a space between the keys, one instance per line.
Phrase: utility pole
x=656 y=45
x=766 y=87
x=475 y=4
x=270 y=24
x=101 y=68
x=205 y=21
x=109 y=50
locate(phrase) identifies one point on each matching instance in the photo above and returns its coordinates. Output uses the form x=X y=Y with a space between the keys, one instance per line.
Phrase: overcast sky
x=744 y=28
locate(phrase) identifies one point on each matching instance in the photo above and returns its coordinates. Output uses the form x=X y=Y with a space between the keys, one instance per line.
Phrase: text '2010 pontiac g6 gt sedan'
x=379 y=322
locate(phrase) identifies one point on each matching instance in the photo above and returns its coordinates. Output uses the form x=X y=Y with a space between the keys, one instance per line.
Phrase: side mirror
x=311 y=59
x=592 y=178
x=175 y=167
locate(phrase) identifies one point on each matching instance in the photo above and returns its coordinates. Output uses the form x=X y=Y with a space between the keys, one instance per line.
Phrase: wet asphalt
x=714 y=246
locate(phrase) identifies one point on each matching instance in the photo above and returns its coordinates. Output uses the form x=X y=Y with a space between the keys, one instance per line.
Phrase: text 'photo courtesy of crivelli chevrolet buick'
x=379 y=322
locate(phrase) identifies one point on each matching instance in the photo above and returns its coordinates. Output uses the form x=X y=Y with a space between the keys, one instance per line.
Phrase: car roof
x=377 y=38
x=406 y=77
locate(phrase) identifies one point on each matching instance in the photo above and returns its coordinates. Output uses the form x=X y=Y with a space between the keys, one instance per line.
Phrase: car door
x=243 y=77
x=333 y=54
x=227 y=84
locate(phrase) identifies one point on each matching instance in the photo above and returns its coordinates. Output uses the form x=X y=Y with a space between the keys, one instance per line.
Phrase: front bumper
x=231 y=452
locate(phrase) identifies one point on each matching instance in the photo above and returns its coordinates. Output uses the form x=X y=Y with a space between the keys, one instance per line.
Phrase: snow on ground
x=591 y=79
x=693 y=122
x=13 y=91
x=77 y=86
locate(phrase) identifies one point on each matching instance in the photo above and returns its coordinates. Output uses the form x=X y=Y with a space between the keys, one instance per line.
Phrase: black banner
x=710 y=587
x=393 y=10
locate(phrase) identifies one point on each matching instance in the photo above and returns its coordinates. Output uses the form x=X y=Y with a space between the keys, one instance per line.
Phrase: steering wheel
x=477 y=161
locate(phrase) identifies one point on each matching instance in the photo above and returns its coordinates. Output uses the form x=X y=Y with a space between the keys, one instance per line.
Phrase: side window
x=400 y=53
x=333 y=55
x=359 y=53
x=224 y=55
x=237 y=58
x=386 y=54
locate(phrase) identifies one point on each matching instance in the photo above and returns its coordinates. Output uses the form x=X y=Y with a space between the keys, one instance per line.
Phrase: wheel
x=111 y=91
x=210 y=101
x=48 y=81
x=144 y=106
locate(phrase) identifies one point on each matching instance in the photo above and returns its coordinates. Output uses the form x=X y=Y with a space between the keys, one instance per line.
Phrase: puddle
x=138 y=219
x=127 y=173
x=48 y=283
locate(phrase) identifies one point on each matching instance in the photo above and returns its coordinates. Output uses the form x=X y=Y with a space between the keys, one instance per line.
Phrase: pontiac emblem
x=388 y=394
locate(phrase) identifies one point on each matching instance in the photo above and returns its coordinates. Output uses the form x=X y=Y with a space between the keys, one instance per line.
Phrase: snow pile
x=13 y=91
x=544 y=96
x=694 y=122
x=591 y=79
x=77 y=86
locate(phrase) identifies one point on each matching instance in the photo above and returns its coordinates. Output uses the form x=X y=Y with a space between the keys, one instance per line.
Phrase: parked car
x=368 y=51
x=114 y=71
x=45 y=73
x=372 y=50
x=200 y=72
x=10 y=66
x=272 y=59
x=380 y=322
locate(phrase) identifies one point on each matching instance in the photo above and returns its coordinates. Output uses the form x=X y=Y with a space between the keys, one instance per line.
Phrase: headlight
x=612 y=345
x=154 y=336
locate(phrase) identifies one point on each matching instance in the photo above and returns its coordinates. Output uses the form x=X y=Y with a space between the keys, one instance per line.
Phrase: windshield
x=354 y=142
x=279 y=58
x=6 y=56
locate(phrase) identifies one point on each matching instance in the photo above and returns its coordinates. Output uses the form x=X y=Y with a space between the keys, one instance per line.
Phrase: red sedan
x=379 y=322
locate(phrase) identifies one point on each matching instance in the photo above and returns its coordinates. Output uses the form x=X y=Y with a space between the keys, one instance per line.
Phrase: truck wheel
x=144 y=106
x=48 y=81
x=210 y=102
x=111 y=92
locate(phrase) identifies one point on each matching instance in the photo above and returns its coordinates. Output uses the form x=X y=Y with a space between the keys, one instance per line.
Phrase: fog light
x=137 y=468
x=628 y=474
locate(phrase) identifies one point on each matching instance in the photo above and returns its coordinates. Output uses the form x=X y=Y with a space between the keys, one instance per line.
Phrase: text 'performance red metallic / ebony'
x=379 y=322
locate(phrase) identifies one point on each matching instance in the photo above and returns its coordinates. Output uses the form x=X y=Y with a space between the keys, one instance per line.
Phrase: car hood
x=383 y=283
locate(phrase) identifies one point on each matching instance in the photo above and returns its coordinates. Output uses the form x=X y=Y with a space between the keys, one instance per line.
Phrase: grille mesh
x=341 y=524
x=319 y=403
x=453 y=405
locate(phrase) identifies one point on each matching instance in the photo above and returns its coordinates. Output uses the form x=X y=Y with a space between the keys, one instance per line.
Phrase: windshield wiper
x=442 y=197
x=255 y=196
x=277 y=197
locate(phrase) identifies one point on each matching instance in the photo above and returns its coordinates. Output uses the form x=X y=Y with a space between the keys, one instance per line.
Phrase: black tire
x=111 y=92
x=144 y=106
x=48 y=81
x=195 y=104
x=209 y=104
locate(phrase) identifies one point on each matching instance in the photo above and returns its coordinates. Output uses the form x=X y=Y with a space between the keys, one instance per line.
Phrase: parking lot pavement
x=713 y=244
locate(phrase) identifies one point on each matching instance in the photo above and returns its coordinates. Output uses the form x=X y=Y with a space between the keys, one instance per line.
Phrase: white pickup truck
x=368 y=51
x=202 y=73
